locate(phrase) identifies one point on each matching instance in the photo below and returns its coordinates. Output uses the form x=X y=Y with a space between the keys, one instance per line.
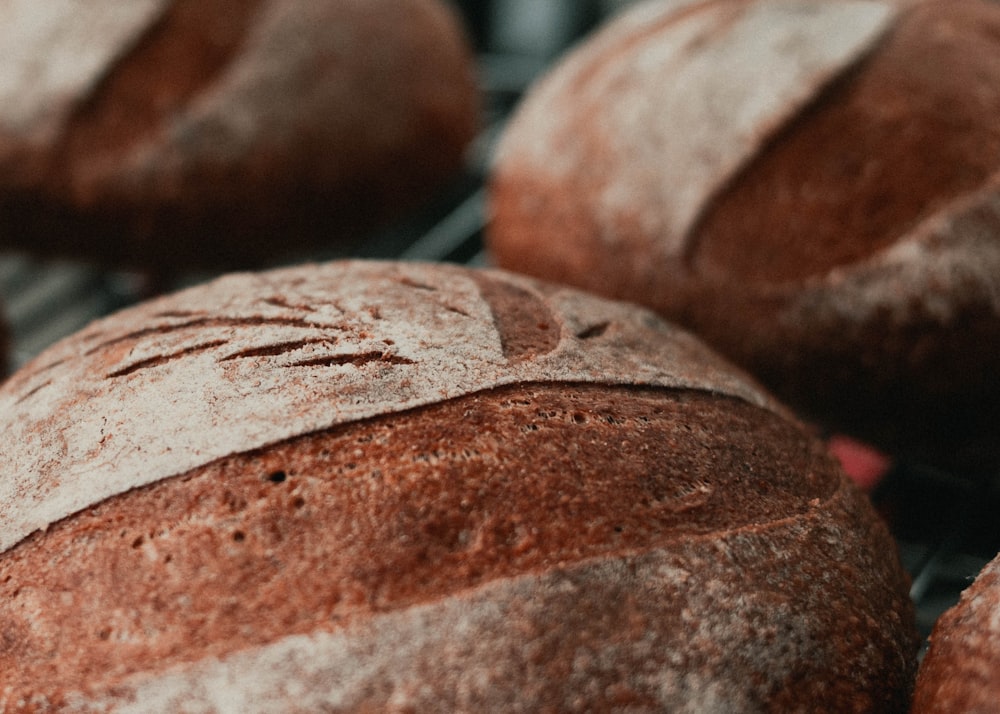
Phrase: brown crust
x=180 y=54
x=919 y=113
x=464 y=652
x=217 y=126
x=849 y=263
x=320 y=533
x=251 y=359
x=356 y=483
x=958 y=673
x=631 y=155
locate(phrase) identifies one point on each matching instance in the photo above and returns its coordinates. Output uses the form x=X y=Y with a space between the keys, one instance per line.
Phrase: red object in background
x=864 y=464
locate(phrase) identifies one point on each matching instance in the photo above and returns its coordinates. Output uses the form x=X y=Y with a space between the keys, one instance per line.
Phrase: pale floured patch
x=957 y=246
x=56 y=50
x=480 y=650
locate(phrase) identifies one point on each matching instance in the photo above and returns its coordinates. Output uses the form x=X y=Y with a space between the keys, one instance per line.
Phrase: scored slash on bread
x=399 y=485
x=176 y=134
x=393 y=337
x=727 y=75
x=813 y=188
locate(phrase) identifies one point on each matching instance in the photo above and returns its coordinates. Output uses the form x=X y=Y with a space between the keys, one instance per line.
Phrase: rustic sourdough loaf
x=400 y=487
x=177 y=133
x=812 y=187
x=959 y=671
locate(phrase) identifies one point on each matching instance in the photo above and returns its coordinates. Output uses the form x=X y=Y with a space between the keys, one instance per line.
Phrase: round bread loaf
x=959 y=671
x=813 y=188
x=176 y=133
x=401 y=487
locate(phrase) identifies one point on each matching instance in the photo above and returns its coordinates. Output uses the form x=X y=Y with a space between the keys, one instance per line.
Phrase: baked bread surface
x=958 y=672
x=813 y=188
x=171 y=134
x=360 y=486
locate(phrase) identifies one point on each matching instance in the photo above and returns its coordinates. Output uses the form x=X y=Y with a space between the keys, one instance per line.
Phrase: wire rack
x=942 y=522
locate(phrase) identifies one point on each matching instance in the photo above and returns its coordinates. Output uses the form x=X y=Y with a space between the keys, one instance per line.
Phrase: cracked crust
x=346 y=484
x=176 y=133
x=769 y=221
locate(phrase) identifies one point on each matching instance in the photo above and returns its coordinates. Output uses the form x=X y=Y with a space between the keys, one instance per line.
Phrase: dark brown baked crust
x=206 y=127
x=625 y=521
x=918 y=113
x=958 y=673
x=848 y=258
x=322 y=532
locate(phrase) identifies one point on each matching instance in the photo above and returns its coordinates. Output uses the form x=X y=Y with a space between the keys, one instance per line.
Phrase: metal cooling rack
x=942 y=522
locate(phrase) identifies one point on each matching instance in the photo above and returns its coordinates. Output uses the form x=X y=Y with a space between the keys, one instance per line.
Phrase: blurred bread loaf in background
x=812 y=187
x=171 y=134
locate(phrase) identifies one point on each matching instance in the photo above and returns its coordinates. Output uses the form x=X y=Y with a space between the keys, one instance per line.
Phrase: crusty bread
x=814 y=188
x=177 y=133
x=959 y=671
x=401 y=487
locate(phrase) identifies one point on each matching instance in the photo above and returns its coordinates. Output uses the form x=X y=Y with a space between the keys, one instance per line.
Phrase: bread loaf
x=958 y=673
x=814 y=188
x=400 y=487
x=168 y=134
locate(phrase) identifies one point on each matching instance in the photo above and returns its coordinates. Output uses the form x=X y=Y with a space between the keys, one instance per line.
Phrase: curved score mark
x=162 y=359
x=214 y=322
x=277 y=349
x=181 y=53
x=32 y=392
x=279 y=301
x=525 y=324
x=358 y=360
x=411 y=283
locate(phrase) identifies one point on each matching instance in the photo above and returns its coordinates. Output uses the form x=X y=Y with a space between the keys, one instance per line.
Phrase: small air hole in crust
x=239 y=536
x=277 y=476
x=593 y=331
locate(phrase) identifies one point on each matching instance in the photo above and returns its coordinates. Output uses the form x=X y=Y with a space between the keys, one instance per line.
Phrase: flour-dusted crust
x=899 y=348
x=672 y=99
x=375 y=485
x=845 y=247
x=253 y=359
x=461 y=653
x=172 y=133
x=38 y=91
x=958 y=673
